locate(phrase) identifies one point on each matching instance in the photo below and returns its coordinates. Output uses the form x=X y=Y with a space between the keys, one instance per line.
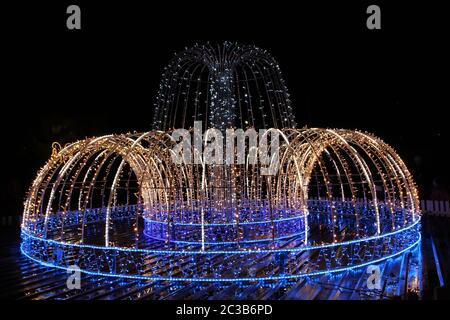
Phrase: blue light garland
x=285 y=277
x=214 y=252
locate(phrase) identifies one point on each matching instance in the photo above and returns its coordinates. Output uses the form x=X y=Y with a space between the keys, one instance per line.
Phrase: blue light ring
x=147 y=220
x=227 y=242
x=402 y=242
x=293 y=276
x=183 y=252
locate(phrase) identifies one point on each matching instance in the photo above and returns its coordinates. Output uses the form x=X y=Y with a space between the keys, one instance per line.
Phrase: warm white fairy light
x=218 y=208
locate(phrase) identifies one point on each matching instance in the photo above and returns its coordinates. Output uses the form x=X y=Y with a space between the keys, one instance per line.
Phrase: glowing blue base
x=177 y=262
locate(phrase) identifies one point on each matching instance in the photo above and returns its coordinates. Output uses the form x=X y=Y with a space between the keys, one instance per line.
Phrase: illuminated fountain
x=118 y=205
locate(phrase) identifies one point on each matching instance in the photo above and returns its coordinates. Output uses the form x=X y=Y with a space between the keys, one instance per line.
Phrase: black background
x=62 y=85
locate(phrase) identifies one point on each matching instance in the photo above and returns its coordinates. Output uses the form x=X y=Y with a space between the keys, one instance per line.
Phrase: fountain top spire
x=223 y=85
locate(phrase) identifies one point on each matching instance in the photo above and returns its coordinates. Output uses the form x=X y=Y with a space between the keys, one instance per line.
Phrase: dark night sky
x=65 y=85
